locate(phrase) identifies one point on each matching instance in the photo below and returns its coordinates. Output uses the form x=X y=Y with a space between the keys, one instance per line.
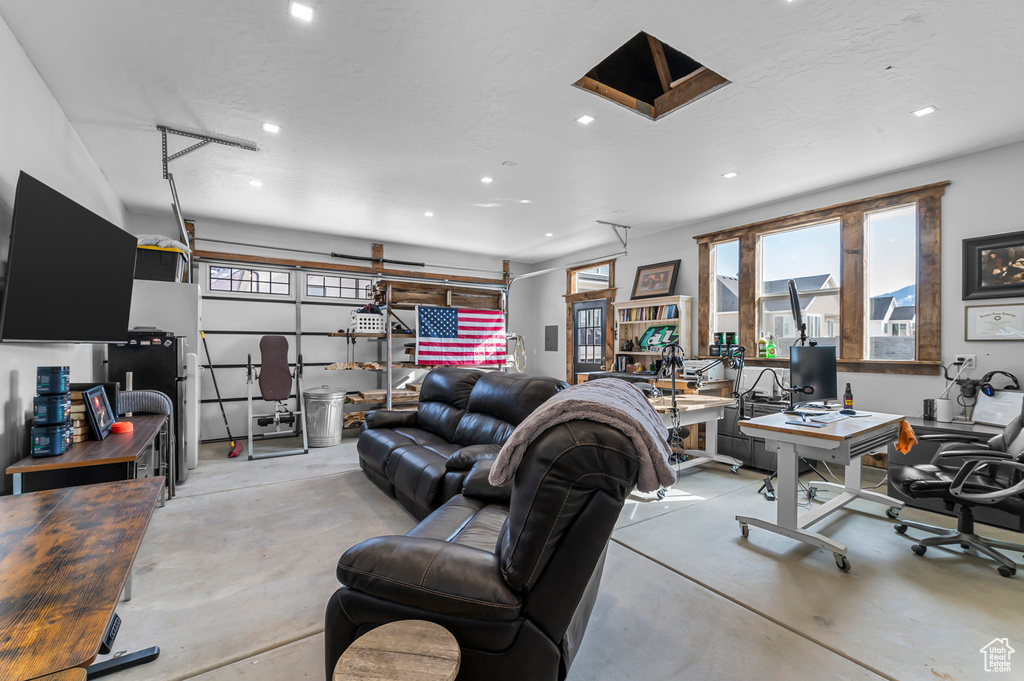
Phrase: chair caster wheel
x=842 y=562
x=734 y=469
x=965 y=546
x=812 y=492
x=918 y=549
x=745 y=530
x=900 y=529
x=661 y=493
x=686 y=457
x=1007 y=571
x=892 y=512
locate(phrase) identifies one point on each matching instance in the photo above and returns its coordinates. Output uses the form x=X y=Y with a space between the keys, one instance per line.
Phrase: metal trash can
x=325 y=416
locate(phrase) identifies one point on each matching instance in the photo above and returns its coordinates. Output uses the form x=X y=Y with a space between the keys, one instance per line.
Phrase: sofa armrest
x=478 y=486
x=431 y=574
x=384 y=418
x=463 y=459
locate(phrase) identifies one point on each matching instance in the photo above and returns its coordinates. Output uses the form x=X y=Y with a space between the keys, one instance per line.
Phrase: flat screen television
x=69 y=272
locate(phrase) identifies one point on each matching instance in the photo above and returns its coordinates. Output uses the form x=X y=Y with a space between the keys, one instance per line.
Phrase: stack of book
x=79 y=420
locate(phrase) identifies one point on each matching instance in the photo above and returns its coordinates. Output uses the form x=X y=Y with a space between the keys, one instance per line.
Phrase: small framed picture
x=653 y=281
x=101 y=416
x=994 y=322
x=994 y=266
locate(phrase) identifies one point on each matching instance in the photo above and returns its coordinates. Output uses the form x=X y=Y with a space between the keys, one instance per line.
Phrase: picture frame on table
x=101 y=416
x=654 y=281
x=994 y=322
x=993 y=266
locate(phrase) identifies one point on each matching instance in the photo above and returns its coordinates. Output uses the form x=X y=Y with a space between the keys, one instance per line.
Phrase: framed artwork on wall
x=994 y=322
x=994 y=266
x=653 y=281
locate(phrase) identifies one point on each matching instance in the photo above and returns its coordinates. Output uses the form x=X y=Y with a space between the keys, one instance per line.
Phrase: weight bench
x=275 y=381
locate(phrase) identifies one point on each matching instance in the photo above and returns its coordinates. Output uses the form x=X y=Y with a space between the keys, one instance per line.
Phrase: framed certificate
x=994 y=322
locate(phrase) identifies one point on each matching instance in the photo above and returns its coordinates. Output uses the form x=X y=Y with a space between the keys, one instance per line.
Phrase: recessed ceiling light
x=585 y=119
x=549 y=234
x=428 y=214
x=300 y=11
x=255 y=183
x=925 y=111
x=729 y=175
x=487 y=180
x=524 y=200
x=270 y=127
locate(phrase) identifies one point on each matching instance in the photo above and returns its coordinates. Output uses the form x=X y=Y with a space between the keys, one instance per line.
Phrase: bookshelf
x=634 y=317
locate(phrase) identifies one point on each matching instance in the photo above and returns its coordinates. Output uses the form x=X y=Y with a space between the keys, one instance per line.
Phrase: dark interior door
x=588 y=331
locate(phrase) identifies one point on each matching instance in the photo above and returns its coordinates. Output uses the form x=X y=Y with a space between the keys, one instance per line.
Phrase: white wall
x=981 y=200
x=35 y=136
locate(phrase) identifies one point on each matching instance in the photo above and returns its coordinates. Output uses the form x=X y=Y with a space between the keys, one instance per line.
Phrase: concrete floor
x=234 y=574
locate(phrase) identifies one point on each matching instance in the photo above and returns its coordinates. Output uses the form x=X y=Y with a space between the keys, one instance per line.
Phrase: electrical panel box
x=550 y=339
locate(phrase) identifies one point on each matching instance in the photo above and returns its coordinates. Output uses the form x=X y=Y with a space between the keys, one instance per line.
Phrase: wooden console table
x=408 y=649
x=65 y=556
x=122 y=451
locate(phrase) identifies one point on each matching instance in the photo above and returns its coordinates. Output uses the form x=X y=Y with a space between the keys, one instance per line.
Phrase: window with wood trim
x=327 y=286
x=876 y=296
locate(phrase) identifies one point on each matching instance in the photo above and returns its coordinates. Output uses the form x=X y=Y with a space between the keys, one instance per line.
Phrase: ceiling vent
x=650 y=77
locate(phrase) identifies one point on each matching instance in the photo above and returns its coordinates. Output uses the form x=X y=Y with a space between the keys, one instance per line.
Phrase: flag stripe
x=452 y=336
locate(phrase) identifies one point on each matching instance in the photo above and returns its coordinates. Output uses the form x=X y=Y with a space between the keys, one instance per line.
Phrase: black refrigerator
x=157 y=362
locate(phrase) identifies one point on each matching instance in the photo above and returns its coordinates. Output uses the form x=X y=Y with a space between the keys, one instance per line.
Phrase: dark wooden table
x=115 y=449
x=64 y=558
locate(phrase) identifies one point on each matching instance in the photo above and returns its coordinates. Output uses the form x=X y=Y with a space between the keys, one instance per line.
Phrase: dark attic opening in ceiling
x=650 y=77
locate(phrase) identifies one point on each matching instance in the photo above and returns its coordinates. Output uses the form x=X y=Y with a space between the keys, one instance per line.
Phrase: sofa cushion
x=499 y=402
x=375 y=447
x=431 y=574
x=443 y=398
x=466 y=521
x=416 y=473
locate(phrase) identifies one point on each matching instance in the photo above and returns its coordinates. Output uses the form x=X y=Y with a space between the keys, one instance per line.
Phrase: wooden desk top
x=409 y=649
x=689 y=402
x=115 y=449
x=837 y=431
x=64 y=557
x=74 y=674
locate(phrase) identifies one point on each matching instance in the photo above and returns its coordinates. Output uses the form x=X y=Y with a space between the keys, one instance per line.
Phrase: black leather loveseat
x=511 y=572
x=422 y=457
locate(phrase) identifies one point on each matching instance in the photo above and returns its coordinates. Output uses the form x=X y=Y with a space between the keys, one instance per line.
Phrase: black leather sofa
x=464 y=415
x=512 y=572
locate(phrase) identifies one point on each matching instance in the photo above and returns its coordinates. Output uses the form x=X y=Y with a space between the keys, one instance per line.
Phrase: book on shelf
x=649 y=314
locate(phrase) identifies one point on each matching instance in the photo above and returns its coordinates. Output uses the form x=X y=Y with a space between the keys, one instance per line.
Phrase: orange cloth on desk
x=907 y=438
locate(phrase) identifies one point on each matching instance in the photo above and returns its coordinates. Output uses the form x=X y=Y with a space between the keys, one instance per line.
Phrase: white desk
x=843 y=443
x=694 y=409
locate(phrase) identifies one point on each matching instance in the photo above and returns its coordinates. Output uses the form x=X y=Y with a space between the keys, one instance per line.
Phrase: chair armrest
x=970 y=467
x=383 y=418
x=431 y=574
x=464 y=459
x=478 y=486
x=950 y=437
x=961 y=452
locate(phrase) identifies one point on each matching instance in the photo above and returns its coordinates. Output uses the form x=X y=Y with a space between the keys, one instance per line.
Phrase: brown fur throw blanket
x=610 y=401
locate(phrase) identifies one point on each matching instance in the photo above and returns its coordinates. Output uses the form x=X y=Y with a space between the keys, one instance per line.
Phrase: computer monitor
x=814 y=367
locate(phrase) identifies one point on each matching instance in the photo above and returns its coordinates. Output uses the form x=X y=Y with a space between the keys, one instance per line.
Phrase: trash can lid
x=324 y=392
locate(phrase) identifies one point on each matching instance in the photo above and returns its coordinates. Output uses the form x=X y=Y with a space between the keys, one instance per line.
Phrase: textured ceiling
x=392 y=108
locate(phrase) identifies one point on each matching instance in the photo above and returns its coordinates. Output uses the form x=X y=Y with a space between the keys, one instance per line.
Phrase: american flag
x=453 y=336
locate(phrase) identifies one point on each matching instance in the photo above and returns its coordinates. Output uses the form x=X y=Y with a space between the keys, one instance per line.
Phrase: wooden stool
x=410 y=650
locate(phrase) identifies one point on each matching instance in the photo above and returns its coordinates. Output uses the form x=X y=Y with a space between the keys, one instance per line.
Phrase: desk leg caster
x=661 y=493
x=842 y=562
x=745 y=530
x=892 y=512
x=734 y=469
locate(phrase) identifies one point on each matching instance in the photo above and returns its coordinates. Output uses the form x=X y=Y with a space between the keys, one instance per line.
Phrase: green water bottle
x=772 y=348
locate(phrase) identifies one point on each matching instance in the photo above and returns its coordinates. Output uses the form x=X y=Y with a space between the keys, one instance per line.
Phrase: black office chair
x=965 y=475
